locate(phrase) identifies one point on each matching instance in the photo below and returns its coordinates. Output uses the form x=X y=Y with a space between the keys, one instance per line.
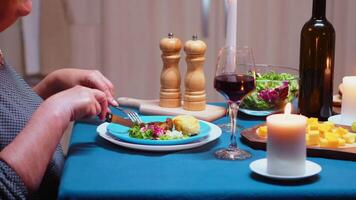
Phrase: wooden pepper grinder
x=194 y=95
x=170 y=95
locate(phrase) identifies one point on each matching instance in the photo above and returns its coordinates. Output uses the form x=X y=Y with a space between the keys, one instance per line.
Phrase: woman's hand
x=66 y=78
x=78 y=102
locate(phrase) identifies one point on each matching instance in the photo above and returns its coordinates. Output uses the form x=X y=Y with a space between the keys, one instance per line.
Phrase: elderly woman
x=32 y=121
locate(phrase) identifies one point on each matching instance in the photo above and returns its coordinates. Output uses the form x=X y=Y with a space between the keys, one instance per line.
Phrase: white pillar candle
x=286 y=150
x=348 y=101
x=231 y=31
x=231 y=25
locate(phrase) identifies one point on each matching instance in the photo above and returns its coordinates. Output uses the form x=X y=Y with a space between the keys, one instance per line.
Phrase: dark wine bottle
x=316 y=67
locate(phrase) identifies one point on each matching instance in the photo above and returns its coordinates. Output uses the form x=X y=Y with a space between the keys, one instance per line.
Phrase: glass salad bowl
x=275 y=87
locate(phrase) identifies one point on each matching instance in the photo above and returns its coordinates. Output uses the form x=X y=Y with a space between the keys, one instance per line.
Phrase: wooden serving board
x=250 y=137
x=152 y=107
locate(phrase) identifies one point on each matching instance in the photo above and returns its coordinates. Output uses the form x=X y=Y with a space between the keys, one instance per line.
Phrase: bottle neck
x=319 y=7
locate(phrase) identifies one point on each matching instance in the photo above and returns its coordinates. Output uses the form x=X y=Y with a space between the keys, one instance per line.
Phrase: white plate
x=215 y=133
x=260 y=167
x=337 y=120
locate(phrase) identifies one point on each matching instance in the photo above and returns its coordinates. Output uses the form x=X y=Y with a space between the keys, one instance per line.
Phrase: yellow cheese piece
x=313 y=127
x=262 y=131
x=313 y=138
x=310 y=141
x=323 y=142
x=312 y=120
x=323 y=128
x=334 y=143
x=341 y=142
x=330 y=124
x=349 y=138
x=314 y=134
x=332 y=138
x=331 y=135
x=341 y=131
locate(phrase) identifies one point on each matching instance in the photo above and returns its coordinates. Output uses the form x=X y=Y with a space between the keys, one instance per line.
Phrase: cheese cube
x=341 y=142
x=312 y=120
x=314 y=134
x=313 y=137
x=349 y=138
x=262 y=131
x=309 y=142
x=323 y=142
x=341 y=131
x=323 y=128
x=330 y=134
x=332 y=138
x=313 y=127
x=330 y=124
x=333 y=143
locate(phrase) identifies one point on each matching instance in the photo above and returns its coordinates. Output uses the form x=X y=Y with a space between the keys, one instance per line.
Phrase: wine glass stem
x=233 y=108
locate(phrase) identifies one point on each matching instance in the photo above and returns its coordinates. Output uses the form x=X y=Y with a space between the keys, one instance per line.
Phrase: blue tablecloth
x=97 y=169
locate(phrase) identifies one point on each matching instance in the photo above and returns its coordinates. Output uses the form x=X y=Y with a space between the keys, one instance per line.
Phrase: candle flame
x=288 y=109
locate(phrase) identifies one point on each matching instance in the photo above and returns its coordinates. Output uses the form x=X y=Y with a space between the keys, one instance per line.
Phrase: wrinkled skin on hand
x=79 y=102
x=66 y=78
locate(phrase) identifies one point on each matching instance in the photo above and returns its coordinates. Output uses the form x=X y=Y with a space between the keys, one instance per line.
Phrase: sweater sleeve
x=11 y=185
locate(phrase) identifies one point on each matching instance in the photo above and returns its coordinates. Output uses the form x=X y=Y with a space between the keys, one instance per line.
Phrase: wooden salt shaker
x=170 y=95
x=194 y=95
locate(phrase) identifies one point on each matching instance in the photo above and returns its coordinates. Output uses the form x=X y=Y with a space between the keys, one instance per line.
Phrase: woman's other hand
x=66 y=78
x=30 y=152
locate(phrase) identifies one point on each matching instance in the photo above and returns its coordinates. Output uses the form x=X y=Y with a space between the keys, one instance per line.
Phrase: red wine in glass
x=234 y=87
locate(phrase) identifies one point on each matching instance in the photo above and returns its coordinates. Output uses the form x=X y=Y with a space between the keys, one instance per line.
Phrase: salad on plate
x=180 y=127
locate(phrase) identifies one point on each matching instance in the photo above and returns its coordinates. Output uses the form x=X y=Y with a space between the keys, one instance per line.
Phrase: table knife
x=112 y=118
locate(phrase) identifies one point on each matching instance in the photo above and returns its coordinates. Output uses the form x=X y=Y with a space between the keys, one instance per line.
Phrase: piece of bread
x=187 y=124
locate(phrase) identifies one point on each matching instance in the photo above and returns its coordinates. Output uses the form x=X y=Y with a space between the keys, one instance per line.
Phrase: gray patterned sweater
x=17 y=103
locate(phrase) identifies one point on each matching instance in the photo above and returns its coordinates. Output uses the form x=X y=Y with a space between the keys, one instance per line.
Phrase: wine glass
x=234 y=79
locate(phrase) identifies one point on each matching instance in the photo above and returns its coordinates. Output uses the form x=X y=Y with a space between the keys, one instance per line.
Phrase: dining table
x=98 y=169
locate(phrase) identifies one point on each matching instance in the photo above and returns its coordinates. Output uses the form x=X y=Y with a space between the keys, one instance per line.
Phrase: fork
x=133 y=116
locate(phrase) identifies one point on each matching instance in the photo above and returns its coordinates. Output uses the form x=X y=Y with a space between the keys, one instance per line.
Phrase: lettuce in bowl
x=273 y=89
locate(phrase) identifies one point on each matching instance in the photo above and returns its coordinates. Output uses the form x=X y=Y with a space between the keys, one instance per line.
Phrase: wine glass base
x=227 y=127
x=232 y=154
